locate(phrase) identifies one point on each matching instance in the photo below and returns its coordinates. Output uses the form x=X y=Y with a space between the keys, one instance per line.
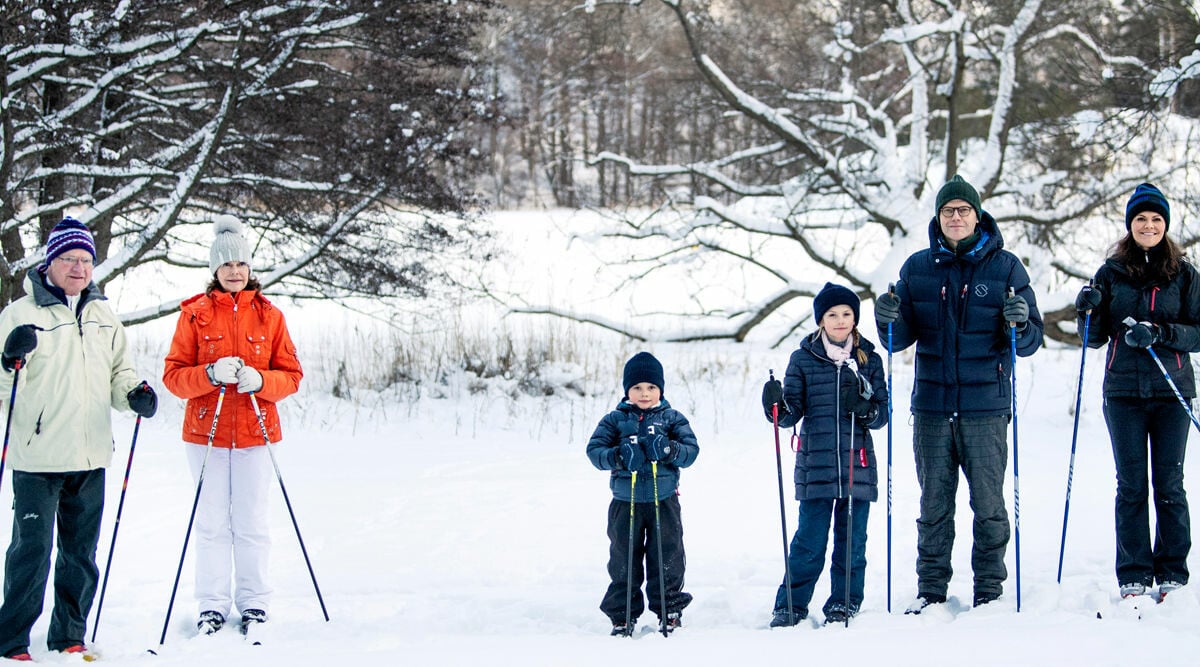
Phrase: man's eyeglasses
x=71 y=261
x=962 y=211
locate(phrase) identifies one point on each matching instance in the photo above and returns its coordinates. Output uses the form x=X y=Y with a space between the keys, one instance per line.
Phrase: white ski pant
x=231 y=531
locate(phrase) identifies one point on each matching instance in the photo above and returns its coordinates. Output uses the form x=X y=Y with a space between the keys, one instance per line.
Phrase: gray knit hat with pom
x=228 y=243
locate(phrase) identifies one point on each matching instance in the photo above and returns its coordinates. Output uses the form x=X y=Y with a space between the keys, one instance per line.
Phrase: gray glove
x=224 y=370
x=887 y=309
x=248 y=380
x=1016 y=310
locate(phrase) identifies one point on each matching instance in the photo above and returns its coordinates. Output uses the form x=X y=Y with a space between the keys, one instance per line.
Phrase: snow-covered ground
x=469 y=529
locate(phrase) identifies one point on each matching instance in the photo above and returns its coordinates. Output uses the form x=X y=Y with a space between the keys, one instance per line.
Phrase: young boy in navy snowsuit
x=644 y=428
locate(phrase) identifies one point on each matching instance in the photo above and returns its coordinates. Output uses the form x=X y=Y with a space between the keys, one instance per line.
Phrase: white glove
x=248 y=380
x=224 y=370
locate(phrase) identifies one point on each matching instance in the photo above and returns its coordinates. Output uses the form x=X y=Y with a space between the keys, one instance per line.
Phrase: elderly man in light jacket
x=67 y=353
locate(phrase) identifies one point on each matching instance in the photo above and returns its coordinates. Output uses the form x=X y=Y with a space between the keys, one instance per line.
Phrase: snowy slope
x=470 y=530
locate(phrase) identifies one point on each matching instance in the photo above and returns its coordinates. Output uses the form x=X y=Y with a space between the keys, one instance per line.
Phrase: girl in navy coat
x=836 y=390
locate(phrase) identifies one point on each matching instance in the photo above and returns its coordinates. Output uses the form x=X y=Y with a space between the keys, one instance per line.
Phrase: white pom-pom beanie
x=228 y=243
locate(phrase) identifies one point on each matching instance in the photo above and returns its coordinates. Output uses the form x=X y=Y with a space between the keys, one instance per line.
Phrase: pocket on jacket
x=213 y=346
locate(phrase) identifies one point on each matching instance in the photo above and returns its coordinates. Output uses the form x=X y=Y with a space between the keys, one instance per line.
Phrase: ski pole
x=850 y=523
x=1012 y=339
x=1129 y=321
x=662 y=574
x=629 y=565
x=137 y=425
x=1062 y=547
x=892 y=291
x=12 y=398
x=787 y=573
x=271 y=451
x=212 y=433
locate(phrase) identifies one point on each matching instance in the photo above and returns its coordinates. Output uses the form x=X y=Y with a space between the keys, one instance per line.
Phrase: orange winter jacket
x=220 y=324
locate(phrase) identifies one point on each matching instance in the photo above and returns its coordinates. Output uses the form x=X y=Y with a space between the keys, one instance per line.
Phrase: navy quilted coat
x=811 y=390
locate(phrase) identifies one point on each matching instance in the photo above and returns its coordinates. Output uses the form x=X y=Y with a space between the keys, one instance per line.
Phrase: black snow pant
x=1164 y=424
x=76 y=501
x=645 y=553
x=980 y=447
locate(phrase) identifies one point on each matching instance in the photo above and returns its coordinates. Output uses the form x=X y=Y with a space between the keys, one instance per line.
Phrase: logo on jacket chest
x=981 y=290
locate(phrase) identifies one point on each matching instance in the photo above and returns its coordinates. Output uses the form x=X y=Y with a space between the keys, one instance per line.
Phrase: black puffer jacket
x=811 y=390
x=604 y=447
x=1173 y=305
x=951 y=306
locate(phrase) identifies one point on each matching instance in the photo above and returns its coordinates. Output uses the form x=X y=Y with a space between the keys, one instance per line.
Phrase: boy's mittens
x=660 y=448
x=632 y=457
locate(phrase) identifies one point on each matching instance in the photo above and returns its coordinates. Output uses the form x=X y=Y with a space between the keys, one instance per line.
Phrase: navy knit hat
x=642 y=367
x=1146 y=197
x=834 y=295
x=957 y=188
x=69 y=234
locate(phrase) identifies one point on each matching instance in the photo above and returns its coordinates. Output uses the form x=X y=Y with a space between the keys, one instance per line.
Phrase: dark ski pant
x=75 y=500
x=806 y=556
x=645 y=553
x=1164 y=423
x=979 y=446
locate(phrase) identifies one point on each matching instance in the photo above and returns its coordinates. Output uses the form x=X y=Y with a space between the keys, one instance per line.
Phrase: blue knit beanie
x=642 y=367
x=834 y=295
x=70 y=234
x=1146 y=197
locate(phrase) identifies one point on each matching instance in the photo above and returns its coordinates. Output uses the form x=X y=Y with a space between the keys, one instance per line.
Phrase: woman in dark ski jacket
x=1146 y=278
x=835 y=389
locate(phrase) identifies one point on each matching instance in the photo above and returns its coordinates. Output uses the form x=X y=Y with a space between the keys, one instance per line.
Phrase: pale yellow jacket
x=62 y=420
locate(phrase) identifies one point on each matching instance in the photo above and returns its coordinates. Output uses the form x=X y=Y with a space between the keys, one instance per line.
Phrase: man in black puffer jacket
x=953 y=301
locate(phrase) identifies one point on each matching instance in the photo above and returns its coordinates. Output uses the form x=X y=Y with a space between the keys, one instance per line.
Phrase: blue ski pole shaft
x=1012 y=338
x=137 y=425
x=1129 y=321
x=1062 y=547
x=891 y=290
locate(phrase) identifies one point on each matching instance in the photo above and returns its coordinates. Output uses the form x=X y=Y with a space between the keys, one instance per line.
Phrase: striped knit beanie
x=1146 y=197
x=69 y=235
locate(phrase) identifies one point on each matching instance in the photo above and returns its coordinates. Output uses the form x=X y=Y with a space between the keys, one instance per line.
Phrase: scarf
x=838 y=352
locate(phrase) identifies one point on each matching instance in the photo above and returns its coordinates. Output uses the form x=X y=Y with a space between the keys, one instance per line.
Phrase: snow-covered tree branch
x=316 y=123
x=889 y=101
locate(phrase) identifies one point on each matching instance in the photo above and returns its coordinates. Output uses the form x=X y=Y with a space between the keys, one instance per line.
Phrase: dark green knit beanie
x=957 y=188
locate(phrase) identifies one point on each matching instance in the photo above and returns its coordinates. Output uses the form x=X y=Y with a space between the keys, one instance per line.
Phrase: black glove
x=1016 y=310
x=660 y=448
x=887 y=309
x=19 y=343
x=143 y=400
x=1089 y=297
x=1143 y=334
x=772 y=394
x=853 y=403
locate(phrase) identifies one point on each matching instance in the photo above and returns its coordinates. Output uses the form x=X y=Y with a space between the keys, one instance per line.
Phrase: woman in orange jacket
x=231 y=336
